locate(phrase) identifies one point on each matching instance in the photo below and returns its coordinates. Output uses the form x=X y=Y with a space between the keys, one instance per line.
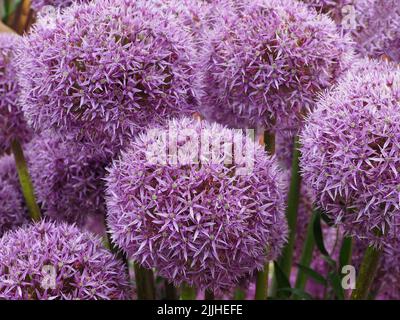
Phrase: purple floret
x=12 y=122
x=82 y=267
x=13 y=211
x=105 y=70
x=38 y=5
x=68 y=179
x=264 y=65
x=350 y=151
x=200 y=224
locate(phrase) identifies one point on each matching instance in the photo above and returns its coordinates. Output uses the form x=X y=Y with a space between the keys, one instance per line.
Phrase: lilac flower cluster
x=350 y=151
x=81 y=267
x=105 y=70
x=12 y=122
x=68 y=179
x=202 y=223
x=12 y=207
x=377 y=32
x=38 y=5
x=265 y=64
x=336 y=9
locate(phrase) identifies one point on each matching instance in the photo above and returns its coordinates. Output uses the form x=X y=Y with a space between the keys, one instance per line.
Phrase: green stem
x=367 y=273
x=25 y=181
x=188 y=293
x=209 y=295
x=170 y=291
x=269 y=141
x=239 y=294
x=291 y=211
x=262 y=283
x=262 y=276
x=307 y=253
x=144 y=283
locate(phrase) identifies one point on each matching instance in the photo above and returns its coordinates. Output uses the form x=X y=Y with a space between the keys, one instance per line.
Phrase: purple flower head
x=12 y=122
x=103 y=71
x=68 y=179
x=336 y=9
x=377 y=28
x=265 y=65
x=47 y=261
x=12 y=207
x=350 y=151
x=197 y=222
x=37 y=5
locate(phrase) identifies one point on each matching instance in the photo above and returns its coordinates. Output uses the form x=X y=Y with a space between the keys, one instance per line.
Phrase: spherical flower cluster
x=377 y=28
x=12 y=122
x=81 y=267
x=265 y=65
x=304 y=214
x=207 y=222
x=350 y=151
x=68 y=179
x=13 y=212
x=37 y=5
x=336 y=9
x=103 y=71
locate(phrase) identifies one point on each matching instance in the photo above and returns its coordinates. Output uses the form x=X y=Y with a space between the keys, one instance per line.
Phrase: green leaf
x=282 y=280
x=9 y=7
x=336 y=284
x=313 y=274
x=345 y=252
x=319 y=241
x=326 y=218
x=296 y=292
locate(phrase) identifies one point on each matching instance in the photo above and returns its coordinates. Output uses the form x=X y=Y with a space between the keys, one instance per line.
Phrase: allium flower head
x=37 y=5
x=83 y=269
x=202 y=223
x=336 y=9
x=12 y=122
x=68 y=179
x=103 y=71
x=351 y=154
x=13 y=212
x=377 y=31
x=265 y=65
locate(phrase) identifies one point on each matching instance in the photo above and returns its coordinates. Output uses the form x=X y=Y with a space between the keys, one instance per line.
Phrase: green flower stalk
x=291 y=211
x=368 y=269
x=25 y=181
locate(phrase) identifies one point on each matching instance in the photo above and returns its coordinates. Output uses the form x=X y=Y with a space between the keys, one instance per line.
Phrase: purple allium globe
x=336 y=9
x=377 y=31
x=265 y=65
x=37 y=5
x=12 y=122
x=13 y=212
x=350 y=151
x=82 y=267
x=208 y=223
x=103 y=71
x=68 y=179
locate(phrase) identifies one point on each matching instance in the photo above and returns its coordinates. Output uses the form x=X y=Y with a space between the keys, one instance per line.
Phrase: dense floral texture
x=377 y=31
x=208 y=223
x=68 y=179
x=83 y=268
x=38 y=5
x=105 y=70
x=266 y=64
x=12 y=122
x=350 y=151
x=12 y=207
x=338 y=10
x=373 y=24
